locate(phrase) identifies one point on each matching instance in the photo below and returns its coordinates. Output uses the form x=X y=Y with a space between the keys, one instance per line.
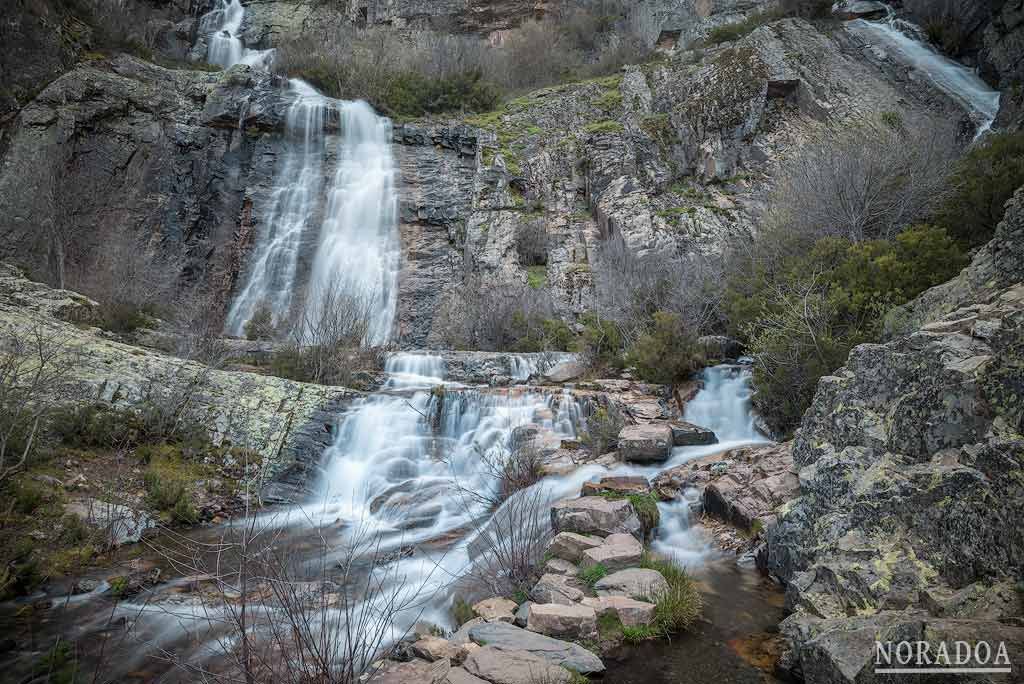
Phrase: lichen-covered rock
x=635 y=583
x=595 y=515
x=619 y=551
x=556 y=589
x=622 y=485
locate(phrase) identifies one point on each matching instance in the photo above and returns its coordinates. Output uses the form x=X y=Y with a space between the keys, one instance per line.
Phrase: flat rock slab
x=496 y=608
x=688 y=434
x=570 y=546
x=618 y=484
x=510 y=666
x=636 y=583
x=614 y=556
x=509 y=637
x=631 y=613
x=569 y=622
x=647 y=443
x=595 y=515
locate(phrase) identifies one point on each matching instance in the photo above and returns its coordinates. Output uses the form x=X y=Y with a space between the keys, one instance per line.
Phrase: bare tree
x=34 y=363
x=865 y=182
x=196 y=324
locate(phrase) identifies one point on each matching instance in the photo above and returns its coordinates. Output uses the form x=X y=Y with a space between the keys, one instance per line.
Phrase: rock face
x=288 y=423
x=911 y=494
x=505 y=637
x=595 y=515
x=651 y=442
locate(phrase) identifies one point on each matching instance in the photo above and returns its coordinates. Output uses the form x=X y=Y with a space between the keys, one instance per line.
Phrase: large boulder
x=636 y=583
x=570 y=546
x=510 y=638
x=118 y=524
x=688 y=434
x=595 y=515
x=566 y=621
x=502 y=666
x=565 y=371
x=646 y=443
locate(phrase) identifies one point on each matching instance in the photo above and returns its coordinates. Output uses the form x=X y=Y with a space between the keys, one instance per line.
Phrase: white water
x=222 y=26
x=905 y=41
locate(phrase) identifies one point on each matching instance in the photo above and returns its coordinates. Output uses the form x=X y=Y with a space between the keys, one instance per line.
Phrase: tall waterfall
x=906 y=41
x=350 y=220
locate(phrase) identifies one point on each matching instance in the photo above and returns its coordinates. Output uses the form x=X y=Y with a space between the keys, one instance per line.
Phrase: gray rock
x=560 y=566
x=504 y=666
x=419 y=671
x=595 y=515
x=457 y=675
x=623 y=485
x=620 y=551
x=522 y=614
x=118 y=524
x=688 y=434
x=510 y=638
x=646 y=443
x=573 y=621
x=860 y=9
x=556 y=589
x=636 y=583
x=631 y=613
x=565 y=371
x=495 y=608
x=570 y=546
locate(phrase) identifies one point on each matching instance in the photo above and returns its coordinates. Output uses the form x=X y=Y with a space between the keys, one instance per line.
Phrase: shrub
x=602 y=342
x=261 y=325
x=668 y=353
x=983 y=181
x=602 y=432
x=677 y=607
x=462 y=611
x=126 y=317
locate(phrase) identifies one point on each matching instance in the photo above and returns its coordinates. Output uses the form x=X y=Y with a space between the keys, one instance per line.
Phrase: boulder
x=565 y=371
x=595 y=515
x=631 y=613
x=555 y=589
x=510 y=638
x=647 y=443
x=433 y=648
x=860 y=9
x=496 y=608
x=523 y=614
x=570 y=546
x=688 y=434
x=461 y=635
x=623 y=485
x=118 y=524
x=419 y=671
x=620 y=551
x=457 y=675
x=565 y=621
x=502 y=666
x=637 y=583
x=560 y=566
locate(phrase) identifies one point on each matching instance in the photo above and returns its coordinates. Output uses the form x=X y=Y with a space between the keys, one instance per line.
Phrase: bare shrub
x=503 y=318
x=949 y=24
x=196 y=323
x=532 y=243
x=864 y=182
x=34 y=364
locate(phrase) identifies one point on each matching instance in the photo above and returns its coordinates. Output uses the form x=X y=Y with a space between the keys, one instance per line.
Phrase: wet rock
x=565 y=371
x=758 y=481
x=688 y=434
x=556 y=589
x=523 y=614
x=118 y=524
x=617 y=484
x=631 y=613
x=573 y=621
x=433 y=648
x=502 y=666
x=595 y=515
x=651 y=442
x=636 y=583
x=496 y=608
x=860 y=9
x=510 y=638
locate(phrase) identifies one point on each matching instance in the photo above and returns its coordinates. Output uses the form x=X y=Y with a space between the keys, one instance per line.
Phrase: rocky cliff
x=911 y=468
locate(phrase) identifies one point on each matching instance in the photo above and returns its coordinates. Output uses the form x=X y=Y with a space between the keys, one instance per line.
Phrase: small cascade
x=222 y=26
x=907 y=42
x=273 y=269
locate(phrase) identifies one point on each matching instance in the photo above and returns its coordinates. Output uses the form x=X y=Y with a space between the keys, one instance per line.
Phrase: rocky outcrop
x=910 y=466
x=288 y=423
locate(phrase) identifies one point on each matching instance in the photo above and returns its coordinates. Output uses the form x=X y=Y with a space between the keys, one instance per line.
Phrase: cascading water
x=906 y=41
x=272 y=272
x=222 y=26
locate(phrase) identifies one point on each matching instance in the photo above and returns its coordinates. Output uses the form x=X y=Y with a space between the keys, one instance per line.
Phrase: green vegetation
x=802 y=313
x=603 y=427
x=676 y=608
x=462 y=612
x=125 y=317
x=645 y=505
x=667 y=353
x=602 y=341
x=983 y=181
x=609 y=100
x=537 y=276
x=593 y=574
x=808 y=9
x=602 y=127
x=58 y=666
x=639 y=633
x=168 y=484
x=609 y=626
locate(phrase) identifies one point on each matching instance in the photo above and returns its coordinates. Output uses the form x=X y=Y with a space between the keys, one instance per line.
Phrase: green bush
x=27 y=497
x=602 y=342
x=668 y=353
x=261 y=325
x=800 y=314
x=462 y=611
x=168 y=491
x=602 y=432
x=983 y=181
x=680 y=605
x=125 y=317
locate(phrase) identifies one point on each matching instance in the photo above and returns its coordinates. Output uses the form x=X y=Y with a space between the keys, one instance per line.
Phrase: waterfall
x=905 y=40
x=222 y=26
